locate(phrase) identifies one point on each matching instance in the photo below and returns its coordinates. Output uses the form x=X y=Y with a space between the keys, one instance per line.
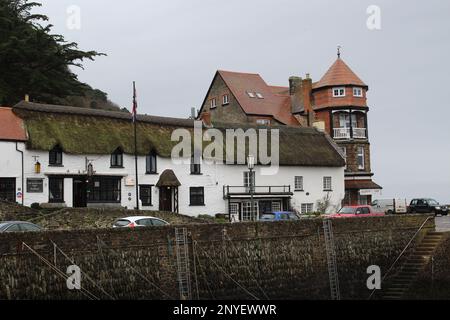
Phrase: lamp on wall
x=37 y=165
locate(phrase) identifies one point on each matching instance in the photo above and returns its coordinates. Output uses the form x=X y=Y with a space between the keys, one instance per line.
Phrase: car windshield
x=347 y=210
x=268 y=217
x=432 y=202
x=121 y=223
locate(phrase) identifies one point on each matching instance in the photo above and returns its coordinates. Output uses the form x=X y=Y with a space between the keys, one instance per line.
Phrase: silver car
x=133 y=222
x=19 y=226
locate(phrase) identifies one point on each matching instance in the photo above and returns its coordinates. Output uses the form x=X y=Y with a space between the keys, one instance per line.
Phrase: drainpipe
x=23 y=178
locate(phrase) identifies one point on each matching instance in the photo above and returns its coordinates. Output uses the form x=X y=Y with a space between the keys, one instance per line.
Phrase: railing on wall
x=257 y=190
x=346 y=133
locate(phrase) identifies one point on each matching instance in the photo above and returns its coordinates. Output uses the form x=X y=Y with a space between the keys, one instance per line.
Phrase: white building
x=81 y=158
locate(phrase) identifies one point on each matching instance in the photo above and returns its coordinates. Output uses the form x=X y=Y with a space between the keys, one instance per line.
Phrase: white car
x=133 y=222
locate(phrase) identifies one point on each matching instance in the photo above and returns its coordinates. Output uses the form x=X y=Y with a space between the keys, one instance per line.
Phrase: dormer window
x=259 y=95
x=117 y=158
x=357 y=92
x=251 y=94
x=55 y=156
x=339 y=92
x=213 y=103
x=225 y=99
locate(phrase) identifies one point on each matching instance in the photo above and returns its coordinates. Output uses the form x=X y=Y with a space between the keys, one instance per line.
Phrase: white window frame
x=225 y=99
x=339 y=94
x=358 y=92
x=259 y=95
x=361 y=156
x=298 y=183
x=251 y=94
x=246 y=211
x=327 y=184
x=213 y=103
x=307 y=208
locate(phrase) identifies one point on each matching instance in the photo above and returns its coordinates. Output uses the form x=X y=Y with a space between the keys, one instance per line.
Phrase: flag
x=134 y=111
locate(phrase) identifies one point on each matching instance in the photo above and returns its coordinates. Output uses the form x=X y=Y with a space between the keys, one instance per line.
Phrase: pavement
x=442 y=223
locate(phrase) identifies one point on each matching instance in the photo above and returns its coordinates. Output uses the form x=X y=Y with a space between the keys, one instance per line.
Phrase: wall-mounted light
x=37 y=165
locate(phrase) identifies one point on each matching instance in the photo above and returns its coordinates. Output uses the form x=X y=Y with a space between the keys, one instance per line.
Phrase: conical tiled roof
x=339 y=74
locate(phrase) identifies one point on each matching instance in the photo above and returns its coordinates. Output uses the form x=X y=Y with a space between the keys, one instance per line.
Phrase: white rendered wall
x=213 y=178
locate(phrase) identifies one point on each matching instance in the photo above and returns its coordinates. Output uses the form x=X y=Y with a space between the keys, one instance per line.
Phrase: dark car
x=18 y=226
x=279 y=216
x=426 y=205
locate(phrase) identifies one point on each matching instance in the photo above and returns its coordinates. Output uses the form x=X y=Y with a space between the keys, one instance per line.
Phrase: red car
x=356 y=211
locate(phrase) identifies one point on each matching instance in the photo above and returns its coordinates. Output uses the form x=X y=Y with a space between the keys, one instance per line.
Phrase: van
x=391 y=206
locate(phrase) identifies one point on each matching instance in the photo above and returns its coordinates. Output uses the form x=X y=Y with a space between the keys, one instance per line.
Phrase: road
x=443 y=223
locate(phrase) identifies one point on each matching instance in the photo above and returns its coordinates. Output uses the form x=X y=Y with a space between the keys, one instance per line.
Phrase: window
x=276 y=206
x=197 y=196
x=56 y=190
x=339 y=92
x=361 y=160
x=234 y=209
x=264 y=122
x=249 y=180
x=104 y=190
x=196 y=165
x=307 y=208
x=213 y=103
x=357 y=92
x=145 y=194
x=259 y=95
x=117 y=158
x=298 y=183
x=55 y=156
x=251 y=94
x=327 y=184
x=225 y=99
x=150 y=163
x=344 y=120
x=157 y=223
x=247 y=214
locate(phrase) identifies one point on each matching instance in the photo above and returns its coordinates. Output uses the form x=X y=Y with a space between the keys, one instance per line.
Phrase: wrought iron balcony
x=346 y=133
x=229 y=191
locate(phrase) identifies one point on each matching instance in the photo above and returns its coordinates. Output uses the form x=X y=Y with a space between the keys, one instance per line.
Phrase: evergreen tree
x=33 y=61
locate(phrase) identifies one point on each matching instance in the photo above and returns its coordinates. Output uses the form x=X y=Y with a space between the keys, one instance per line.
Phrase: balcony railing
x=345 y=133
x=257 y=190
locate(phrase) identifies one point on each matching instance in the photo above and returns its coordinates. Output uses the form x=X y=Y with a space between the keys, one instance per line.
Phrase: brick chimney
x=307 y=93
x=296 y=93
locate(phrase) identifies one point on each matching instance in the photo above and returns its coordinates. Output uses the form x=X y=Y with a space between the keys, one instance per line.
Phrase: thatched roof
x=87 y=131
x=168 y=179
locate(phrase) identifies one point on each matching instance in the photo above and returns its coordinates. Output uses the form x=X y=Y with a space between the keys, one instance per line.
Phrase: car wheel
x=413 y=211
x=390 y=212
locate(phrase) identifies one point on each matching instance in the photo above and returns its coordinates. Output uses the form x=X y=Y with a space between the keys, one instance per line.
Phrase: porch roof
x=168 y=179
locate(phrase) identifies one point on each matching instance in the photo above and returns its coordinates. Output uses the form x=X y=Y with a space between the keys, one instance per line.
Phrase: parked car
x=19 y=226
x=356 y=211
x=133 y=222
x=279 y=216
x=427 y=205
x=390 y=206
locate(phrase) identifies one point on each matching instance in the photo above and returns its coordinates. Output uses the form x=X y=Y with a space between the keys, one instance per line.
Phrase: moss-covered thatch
x=81 y=131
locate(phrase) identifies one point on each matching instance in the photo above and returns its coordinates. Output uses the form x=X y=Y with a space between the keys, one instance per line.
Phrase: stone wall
x=285 y=260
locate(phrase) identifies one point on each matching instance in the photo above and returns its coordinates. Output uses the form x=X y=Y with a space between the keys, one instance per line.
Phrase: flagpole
x=135 y=144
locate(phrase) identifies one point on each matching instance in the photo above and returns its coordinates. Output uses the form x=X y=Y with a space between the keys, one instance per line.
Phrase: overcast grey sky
x=172 y=49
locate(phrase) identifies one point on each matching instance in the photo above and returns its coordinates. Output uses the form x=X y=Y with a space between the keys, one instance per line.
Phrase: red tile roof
x=276 y=101
x=339 y=74
x=11 y=126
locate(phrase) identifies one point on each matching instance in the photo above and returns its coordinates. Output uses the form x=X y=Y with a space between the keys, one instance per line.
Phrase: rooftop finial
x=339 y=52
